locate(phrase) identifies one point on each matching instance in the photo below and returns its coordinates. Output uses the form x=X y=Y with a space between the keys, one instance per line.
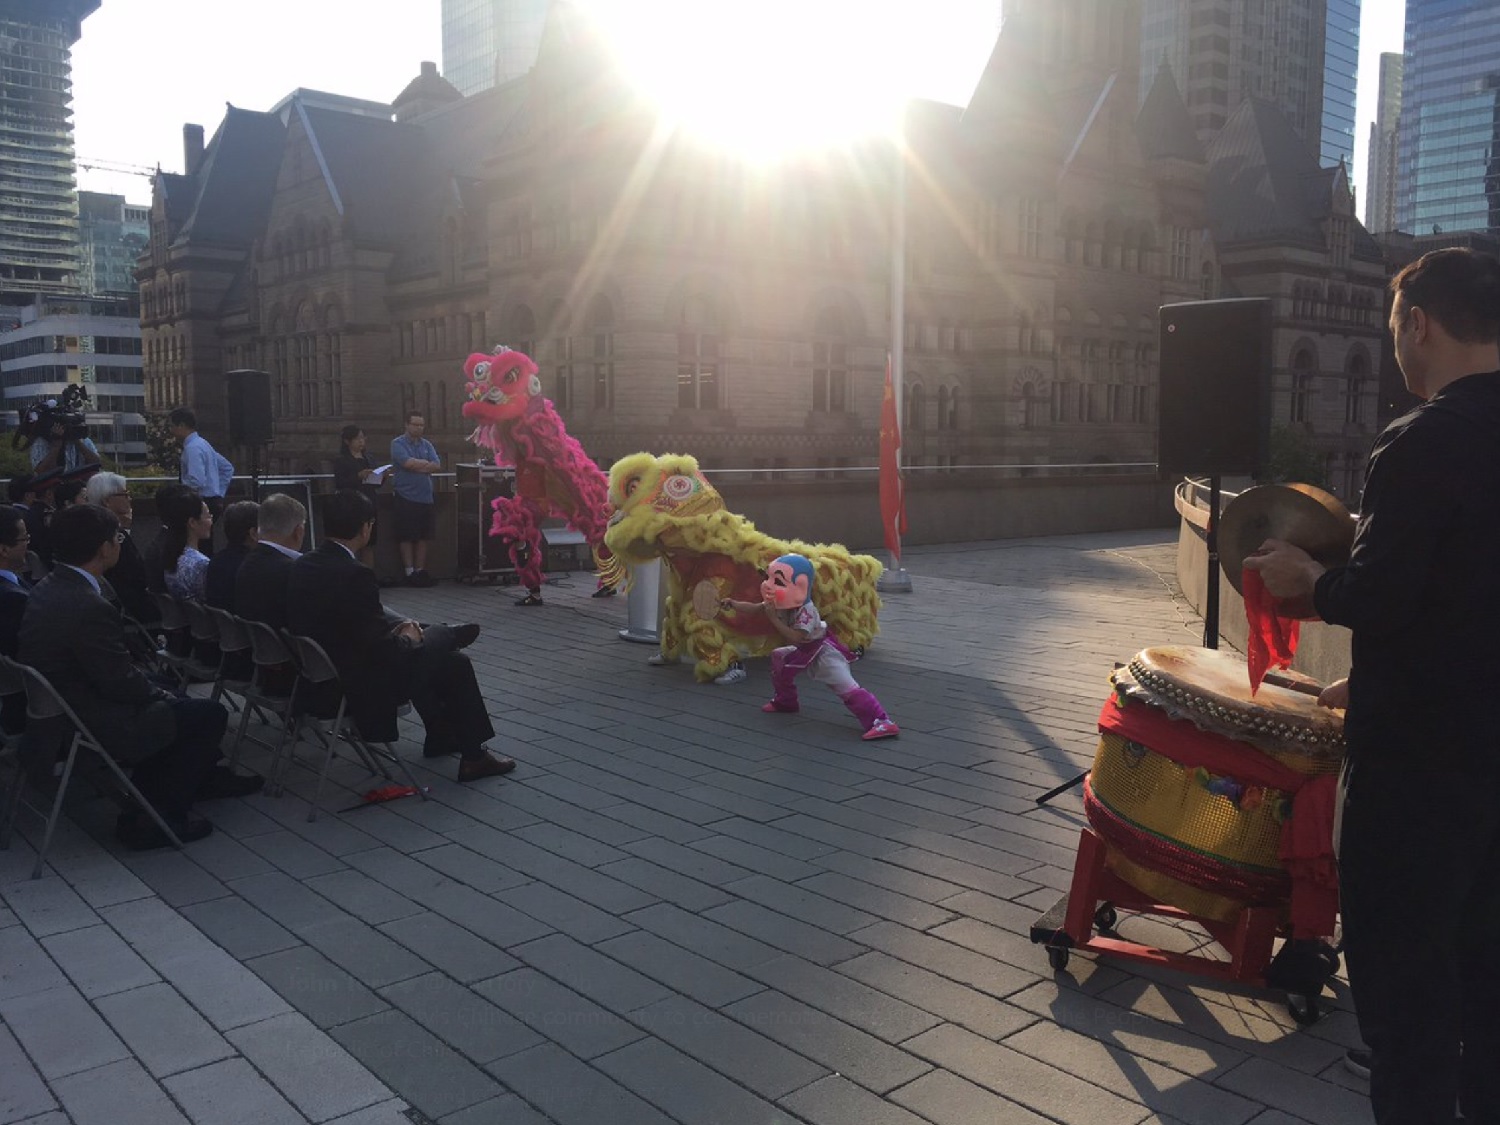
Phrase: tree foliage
x=1294 y=459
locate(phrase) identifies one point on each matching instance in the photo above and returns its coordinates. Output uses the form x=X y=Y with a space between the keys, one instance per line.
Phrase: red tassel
x=1273 y=639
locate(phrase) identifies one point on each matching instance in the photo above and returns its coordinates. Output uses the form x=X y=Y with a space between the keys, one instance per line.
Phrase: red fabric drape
x=1273 y=639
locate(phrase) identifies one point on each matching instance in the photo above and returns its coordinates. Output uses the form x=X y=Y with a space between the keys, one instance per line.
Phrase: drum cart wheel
x=1303 y=1008
x=1106 y=917
x=1057 y=957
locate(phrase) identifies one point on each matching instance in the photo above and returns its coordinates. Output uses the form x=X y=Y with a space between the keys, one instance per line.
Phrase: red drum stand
x=1097 y=895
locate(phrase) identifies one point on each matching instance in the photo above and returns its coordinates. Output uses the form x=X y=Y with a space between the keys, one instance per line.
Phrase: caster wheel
x=1106 y=917
x=1057 y=957
x=1303 y=1008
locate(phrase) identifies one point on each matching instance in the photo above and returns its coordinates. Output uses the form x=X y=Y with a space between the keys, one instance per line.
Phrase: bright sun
x=764 y=78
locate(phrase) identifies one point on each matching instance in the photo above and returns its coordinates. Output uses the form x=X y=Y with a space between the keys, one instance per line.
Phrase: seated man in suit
x=128 y=576
x=260 y=584
x=381 y=659
x=241 y=527
x=75 y=636
x=15 y=592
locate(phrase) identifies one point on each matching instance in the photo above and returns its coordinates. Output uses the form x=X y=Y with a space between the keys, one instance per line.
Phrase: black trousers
x=171 y=776
x=446 y=694
x=1419 y=877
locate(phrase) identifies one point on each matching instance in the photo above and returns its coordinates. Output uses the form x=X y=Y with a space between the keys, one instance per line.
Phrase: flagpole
x=895 y=579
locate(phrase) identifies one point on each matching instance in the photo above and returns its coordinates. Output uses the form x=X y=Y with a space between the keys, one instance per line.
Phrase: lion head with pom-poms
x=666 y=509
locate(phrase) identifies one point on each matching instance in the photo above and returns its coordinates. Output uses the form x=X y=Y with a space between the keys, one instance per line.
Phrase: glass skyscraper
x=488 y=42
x=1224 y=51
x=38 y=210
x=1449 y=174
x=1340 y=69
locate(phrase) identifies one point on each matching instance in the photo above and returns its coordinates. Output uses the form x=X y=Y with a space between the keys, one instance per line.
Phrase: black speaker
x=1214 y=400
x=247 y=399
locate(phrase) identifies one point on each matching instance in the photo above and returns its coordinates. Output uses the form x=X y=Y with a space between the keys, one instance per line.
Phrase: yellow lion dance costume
x=665 y=509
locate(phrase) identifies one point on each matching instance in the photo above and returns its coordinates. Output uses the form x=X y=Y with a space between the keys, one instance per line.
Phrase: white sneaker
x=658 y=659
x=734 y=674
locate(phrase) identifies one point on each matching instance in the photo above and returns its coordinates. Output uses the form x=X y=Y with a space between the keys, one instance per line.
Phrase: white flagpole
x=895 y=579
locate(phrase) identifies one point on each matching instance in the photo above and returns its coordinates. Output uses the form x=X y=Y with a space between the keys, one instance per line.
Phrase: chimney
x=192 y=148
x=429 y=70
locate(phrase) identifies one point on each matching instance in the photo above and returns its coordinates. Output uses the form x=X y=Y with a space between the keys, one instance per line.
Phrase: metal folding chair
x=318 y=670
x=270 y=655
x=178 y=654
x=46 y=708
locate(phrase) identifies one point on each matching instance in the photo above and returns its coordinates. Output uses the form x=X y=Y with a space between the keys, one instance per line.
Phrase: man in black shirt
x=1420 y=837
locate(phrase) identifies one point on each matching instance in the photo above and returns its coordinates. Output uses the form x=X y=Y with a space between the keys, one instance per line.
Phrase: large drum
x=1195 y=778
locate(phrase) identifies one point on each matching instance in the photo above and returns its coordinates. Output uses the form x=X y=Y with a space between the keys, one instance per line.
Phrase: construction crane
x=116 y=166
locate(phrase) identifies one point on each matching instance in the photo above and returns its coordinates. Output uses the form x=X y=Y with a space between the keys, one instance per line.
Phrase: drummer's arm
x=1409 y=504
x=1335 y=696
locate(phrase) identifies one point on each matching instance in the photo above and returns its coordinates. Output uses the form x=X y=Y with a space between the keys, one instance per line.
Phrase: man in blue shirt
x=203 y=469
x=414 y=459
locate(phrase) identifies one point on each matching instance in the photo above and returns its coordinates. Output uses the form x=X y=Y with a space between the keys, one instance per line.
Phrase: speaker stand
x=1211 y=539
x=255 y=473
x=1210 y=608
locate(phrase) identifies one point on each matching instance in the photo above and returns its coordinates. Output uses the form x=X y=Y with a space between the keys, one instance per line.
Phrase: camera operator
x=58 y=433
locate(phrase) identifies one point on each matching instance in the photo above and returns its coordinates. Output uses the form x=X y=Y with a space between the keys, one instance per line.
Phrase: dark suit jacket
x=128 y=577
x=260 y=586
x=223 y=569
x=76 y=638
x=336 y=601
x=13 y=601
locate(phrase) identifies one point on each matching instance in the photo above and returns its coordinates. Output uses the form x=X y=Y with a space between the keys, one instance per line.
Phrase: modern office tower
x=490 y=42
x=1224 y=51
x=38 y=211
x=91 y=341
x=111 y=236
x=1448 y=176
x=1340 y=72
x=1380 y=181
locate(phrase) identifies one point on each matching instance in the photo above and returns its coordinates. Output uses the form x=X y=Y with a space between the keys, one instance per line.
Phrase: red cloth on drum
x=1273 y=639
x=1306 y=846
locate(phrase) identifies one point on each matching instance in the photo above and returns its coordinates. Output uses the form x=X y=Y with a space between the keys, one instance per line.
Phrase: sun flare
x=764 y=79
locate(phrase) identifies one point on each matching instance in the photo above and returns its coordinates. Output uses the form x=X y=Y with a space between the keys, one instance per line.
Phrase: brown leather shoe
x=490 y=765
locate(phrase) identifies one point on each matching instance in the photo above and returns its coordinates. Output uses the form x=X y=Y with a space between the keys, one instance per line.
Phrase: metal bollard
x=643 y=606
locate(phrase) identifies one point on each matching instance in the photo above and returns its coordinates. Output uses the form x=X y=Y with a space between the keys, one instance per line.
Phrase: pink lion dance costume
x=554 y=477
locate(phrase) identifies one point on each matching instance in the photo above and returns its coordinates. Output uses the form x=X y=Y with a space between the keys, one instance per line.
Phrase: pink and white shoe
x=784 y=708
x=881 y=728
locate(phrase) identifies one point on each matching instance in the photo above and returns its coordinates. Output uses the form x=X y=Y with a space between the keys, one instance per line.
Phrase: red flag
x=892 y=492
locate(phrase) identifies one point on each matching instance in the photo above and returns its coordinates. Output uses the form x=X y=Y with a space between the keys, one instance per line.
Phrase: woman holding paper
x=354 y=468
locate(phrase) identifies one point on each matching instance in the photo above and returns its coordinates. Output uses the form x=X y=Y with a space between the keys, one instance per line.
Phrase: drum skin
x=1206 y=846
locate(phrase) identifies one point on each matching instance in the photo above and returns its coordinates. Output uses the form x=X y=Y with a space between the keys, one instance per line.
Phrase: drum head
x=706 y=600
x=1212 y=688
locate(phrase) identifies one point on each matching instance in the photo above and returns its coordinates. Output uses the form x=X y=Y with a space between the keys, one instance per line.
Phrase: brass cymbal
x=1301 y=514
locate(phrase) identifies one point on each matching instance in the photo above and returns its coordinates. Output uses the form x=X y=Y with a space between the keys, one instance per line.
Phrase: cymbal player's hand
x=1335 y=696
x=1288 y=571
x=411 y=631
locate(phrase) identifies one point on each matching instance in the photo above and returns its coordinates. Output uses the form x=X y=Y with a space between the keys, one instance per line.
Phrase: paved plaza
x=676 y=909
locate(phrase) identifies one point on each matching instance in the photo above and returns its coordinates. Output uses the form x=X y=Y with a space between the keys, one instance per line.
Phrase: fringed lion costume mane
x=665 y=509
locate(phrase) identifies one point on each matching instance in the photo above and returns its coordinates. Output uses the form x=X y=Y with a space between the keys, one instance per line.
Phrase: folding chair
x=178 y=654
x=270 y=656
x=45 y=706
x=10 y=751
x=318 y=670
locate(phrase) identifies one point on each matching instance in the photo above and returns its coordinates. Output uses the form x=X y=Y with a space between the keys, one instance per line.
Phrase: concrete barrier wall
x=1322 y=650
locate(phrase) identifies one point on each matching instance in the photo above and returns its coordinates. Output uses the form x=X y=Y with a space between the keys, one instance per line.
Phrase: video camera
x=44 y=415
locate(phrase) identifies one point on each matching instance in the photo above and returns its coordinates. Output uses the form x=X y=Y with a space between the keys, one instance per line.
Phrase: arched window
x=830 y=389
x=1356 y=374
x=1304 y=370
x=914 y=416
x=520 y=330
x=1092 y=244
x=949 y=412
x=698 y=355
x=601 y=326
x=1031 y=406
x=942 y=408
x=1145 y=245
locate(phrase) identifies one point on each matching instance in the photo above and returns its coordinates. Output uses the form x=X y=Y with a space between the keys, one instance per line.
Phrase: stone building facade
x=679 y=299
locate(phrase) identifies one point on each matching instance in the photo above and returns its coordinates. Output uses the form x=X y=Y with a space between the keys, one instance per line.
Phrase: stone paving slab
x=677 y=909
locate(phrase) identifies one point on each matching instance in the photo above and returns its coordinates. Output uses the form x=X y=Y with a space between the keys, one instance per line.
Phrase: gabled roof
x=372 y=166
x=1013 y=86
x=1264 y=183
x=235 y=179
x=1164 y=127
